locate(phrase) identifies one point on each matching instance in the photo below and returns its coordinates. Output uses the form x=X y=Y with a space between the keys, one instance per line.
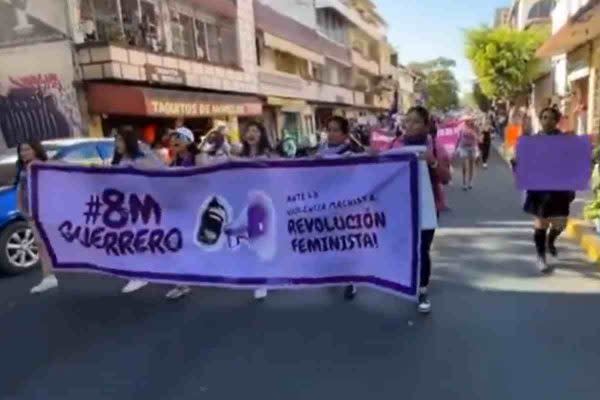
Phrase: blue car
x=18 y=252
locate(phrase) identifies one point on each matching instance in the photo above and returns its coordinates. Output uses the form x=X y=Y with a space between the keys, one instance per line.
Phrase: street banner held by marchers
x=557 y=162
x=277 y=224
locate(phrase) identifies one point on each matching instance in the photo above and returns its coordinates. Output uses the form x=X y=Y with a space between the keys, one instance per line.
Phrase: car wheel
x=18 y=250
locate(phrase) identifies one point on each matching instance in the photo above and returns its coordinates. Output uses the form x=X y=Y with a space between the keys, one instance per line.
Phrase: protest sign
x=276 y=224
x=448 y=133
x=558 y=162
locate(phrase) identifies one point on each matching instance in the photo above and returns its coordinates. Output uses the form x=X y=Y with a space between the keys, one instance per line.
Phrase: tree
x=479 y=99
x=503 y=59
x=439 y=83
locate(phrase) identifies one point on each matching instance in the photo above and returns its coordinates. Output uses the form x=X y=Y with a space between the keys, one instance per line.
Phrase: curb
x=578 y=230
x=584 y=234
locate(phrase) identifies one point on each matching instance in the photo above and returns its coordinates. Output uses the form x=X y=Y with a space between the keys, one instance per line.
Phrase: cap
x=184 y=133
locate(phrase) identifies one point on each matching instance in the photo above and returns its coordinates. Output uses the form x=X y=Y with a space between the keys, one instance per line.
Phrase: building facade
x=575 y=51
x=37 y=93
x=147 y=63
x=159 y=60
x=525 y=15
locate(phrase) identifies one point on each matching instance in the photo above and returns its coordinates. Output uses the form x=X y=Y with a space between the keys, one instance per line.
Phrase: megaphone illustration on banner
x=255 y=227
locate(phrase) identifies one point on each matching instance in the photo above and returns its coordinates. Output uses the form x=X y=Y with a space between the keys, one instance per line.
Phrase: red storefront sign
x=114 y=99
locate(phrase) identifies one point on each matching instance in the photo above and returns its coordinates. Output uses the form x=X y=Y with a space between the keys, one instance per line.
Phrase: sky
x=427 y=29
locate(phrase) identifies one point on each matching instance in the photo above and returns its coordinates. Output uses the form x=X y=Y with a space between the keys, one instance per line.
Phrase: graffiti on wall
x=39 y=107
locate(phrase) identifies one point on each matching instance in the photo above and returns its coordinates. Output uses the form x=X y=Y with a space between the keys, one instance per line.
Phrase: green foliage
x=440 y=83
x=481 y=100
x=504 y=59
x=591 y=211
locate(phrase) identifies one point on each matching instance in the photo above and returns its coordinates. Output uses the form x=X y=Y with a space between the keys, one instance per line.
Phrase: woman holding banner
x=27 y=154
x=256 y=146
x=339 y=143
x=419 y=132
x=550 y=208
x=128 y=153
x=186 y=155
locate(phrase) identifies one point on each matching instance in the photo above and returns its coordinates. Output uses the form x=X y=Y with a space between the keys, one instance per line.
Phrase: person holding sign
x=550 y=208
x=28 y=153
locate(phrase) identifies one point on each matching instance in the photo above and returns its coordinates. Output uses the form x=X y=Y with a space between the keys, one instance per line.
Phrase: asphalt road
x=498 y=330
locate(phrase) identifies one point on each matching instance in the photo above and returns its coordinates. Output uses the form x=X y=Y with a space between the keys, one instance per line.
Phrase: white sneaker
x=260 y=294
x=178 y=292
x=543 y=266
x=424 y=304
x=485 y=166
x=133 y=285
x=49 y=282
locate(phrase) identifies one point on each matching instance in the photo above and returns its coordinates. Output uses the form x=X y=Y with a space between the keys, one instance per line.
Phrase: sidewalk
x=579 y=230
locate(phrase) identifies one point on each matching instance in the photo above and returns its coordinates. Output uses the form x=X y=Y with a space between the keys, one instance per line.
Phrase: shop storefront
x=154 y=111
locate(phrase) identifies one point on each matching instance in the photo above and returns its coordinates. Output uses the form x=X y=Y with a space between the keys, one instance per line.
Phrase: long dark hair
x=132 y=146
x=264 y=146
x=38 y=150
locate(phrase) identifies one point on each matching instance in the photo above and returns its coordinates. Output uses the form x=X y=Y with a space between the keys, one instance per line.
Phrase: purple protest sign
x=560 y=162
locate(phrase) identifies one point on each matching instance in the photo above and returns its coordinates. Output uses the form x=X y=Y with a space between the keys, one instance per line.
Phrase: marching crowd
x=417 y=128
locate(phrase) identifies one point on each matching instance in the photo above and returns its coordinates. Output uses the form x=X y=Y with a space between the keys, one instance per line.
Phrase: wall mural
x=37 y=99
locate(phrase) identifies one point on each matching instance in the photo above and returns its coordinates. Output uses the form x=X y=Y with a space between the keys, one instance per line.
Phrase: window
x=100 y=20
x=176 y=33
x=201 y=40
x=344 y=76
x=150 y=26
x=221 y=42
x=187 y=36
x=284 y=62
x=229 y=50
x=318 y=73
x=214 y=52
x=182 y=31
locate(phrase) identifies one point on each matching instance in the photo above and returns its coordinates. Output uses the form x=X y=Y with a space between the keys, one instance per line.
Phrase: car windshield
x=52 y=150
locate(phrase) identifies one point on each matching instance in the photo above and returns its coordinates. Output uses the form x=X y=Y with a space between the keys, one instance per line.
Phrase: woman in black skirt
x=550 y=208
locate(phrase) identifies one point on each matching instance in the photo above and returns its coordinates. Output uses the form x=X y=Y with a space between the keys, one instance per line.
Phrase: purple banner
x=559 y=162
x=277 y=224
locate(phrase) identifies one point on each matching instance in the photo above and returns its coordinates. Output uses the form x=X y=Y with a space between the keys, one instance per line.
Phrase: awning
x=143 y=101
x=580 y=29
x=280 y=44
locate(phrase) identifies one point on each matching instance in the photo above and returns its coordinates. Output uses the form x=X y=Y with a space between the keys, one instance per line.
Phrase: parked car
x=18 y=252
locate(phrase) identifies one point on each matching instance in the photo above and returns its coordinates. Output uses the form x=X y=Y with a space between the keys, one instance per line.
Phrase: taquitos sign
x=200 y=109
